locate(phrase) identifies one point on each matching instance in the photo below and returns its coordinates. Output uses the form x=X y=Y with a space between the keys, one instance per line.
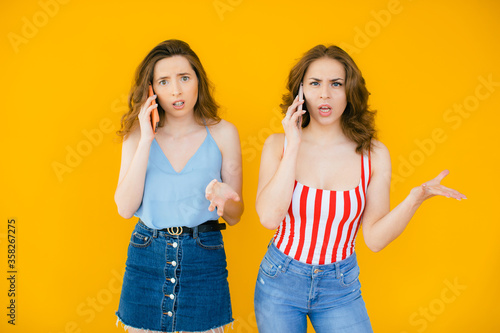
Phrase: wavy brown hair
x=205 y=108
x=357 y=121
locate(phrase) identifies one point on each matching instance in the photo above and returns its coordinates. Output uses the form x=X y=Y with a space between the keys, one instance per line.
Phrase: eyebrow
x=168 y=77
x=337 y=79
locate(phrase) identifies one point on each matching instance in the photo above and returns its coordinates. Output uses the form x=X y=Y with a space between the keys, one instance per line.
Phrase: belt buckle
x=177 y=232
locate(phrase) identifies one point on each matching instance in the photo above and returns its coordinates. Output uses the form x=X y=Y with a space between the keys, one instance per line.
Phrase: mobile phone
x=301 y=96
x=155 y=118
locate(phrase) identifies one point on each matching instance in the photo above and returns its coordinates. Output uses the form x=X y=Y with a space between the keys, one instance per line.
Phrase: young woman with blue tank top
x=178 y=182
x=318 y=181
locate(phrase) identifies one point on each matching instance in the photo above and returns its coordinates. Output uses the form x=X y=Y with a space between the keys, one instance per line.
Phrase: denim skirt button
x=169 y=313
x=174 y=245
x=174 y=263
x=172 y=280
x=171 y=296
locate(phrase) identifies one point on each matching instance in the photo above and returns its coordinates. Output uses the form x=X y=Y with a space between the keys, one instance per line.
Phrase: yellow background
x=70 y=73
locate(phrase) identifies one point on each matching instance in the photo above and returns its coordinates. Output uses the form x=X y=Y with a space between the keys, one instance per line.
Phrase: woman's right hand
x=147 y=133
x=292 y=123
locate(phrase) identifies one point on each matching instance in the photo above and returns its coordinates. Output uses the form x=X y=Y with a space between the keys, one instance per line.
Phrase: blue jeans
x=287 y=291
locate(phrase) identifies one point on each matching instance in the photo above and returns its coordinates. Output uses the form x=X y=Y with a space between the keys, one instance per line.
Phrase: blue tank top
x=175 y=199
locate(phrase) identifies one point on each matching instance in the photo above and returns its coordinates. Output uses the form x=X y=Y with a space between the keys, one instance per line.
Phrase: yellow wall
x=66 y=68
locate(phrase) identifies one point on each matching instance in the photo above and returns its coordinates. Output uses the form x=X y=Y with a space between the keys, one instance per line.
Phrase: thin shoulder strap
x=206 y=127
x=284 y=148
x=366 y=168
x=369 y=166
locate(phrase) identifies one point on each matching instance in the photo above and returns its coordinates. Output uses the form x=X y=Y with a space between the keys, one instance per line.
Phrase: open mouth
x=325 y=109
x=178 y=104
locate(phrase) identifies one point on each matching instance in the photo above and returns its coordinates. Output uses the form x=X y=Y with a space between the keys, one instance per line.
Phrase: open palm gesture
x=218 y=193
x=433 y=187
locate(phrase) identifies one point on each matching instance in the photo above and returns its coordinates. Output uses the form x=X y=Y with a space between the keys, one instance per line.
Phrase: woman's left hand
x=218 y=193
x=433 y=187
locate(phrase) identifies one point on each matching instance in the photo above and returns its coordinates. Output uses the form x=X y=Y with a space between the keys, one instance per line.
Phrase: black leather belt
x=212 y=225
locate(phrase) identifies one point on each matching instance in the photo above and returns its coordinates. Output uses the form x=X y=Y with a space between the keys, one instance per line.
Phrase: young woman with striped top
x=318 y=181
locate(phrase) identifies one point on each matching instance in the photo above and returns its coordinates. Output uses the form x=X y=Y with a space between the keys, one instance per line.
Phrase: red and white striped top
x=320 y=226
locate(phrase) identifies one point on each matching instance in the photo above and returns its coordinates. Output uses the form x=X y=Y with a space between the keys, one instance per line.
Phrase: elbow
x=268 y=221
x=270 y=225
x=232 y=220
x=125 y=213
x=123 y=210
x=373 y=245
x=267 y=216
x=375 y=248
x=235 y=217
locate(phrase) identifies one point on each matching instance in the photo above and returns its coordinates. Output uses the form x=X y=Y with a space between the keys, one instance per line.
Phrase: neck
x=324 y=134
x=179 y=126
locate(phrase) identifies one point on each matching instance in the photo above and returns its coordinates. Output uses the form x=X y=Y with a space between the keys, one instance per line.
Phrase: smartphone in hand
x=299 y=108
x=155 y=118
x=301 y=96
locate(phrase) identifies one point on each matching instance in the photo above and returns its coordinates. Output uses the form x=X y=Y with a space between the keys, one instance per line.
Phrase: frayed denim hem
x=126 y=327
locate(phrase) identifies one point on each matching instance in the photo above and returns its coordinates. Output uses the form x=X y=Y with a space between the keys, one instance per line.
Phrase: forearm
x=273 y=201
x=129 y=192
x=379 y=234
x=233 y=211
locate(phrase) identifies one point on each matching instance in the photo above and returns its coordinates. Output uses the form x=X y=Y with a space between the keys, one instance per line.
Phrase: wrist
x=294 y=142
x=292 y=147
x=145 y=142
x=416 y=198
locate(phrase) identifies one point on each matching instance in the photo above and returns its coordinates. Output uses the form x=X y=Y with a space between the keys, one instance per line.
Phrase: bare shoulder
x=132 y=139
x=380 y=156
x=276 y=139
x=379 y=149
x=275 y=143
x=225 y=134
x=223 y=129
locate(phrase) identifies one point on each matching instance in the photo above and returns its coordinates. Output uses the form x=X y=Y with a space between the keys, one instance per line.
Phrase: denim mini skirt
x=175 y=282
